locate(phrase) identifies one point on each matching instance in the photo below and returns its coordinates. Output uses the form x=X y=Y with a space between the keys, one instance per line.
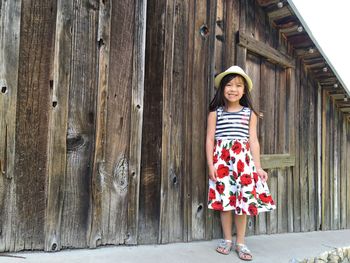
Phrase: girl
x=236 y=182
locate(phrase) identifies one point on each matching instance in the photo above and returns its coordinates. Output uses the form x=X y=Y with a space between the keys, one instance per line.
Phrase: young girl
x=236 y=180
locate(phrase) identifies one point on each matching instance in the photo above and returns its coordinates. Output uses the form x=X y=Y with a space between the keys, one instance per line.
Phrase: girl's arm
x=255 y=146
x=211 y=125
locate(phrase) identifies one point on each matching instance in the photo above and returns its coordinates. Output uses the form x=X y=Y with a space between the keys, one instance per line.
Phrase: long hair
x=219 y=99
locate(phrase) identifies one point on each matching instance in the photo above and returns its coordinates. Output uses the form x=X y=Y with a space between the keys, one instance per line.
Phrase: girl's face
x=234 y=90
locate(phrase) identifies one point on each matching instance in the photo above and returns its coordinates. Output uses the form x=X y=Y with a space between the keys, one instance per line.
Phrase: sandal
x=224 y=247
x=243 y=252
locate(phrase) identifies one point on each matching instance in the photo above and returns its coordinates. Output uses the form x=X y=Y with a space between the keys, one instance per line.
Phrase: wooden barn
x=103 y=108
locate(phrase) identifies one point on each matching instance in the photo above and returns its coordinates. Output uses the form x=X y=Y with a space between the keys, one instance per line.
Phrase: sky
x=329 y=23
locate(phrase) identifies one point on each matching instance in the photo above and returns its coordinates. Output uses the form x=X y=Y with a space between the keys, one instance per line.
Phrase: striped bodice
x=232 y=125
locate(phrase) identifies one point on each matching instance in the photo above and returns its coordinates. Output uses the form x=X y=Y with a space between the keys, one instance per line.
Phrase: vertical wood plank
x=114 y=171
x=95 y=234
x=303 y=149
x=347 y=175
x=57 y=144
x=330 y=162
x=291 y=132
x=202 y=82
x=136 y=119
x=253 y=70
x=343 y=172
x=296 y=174
x=10 y=16
x=209 y=88
x=33 y=102
x=81 y=125
x=325 y=161
x=319 y=157
x=152 y=125
x=311 y=156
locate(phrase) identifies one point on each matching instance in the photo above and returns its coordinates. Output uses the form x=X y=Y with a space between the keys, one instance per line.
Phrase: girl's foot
x=224 y=247
x=243 y=252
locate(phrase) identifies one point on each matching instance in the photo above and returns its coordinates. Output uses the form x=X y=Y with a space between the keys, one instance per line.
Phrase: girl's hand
x=212 y=173
x=263 y=175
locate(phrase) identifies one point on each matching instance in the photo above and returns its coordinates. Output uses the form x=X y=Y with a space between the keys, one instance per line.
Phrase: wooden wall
x=103 y=109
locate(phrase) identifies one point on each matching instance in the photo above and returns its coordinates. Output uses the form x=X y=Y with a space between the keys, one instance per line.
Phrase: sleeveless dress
x=238 y=187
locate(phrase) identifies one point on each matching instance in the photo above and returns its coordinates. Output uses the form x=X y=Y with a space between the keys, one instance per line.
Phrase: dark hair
x=219 y=100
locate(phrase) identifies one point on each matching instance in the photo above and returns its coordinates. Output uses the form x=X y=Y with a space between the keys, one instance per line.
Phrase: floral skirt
x=238 y=185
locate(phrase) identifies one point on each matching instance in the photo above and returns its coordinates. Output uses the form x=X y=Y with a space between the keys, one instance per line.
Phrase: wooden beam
x=279 y=13
x=270 y=161
x=265 y=50
x=347 y=109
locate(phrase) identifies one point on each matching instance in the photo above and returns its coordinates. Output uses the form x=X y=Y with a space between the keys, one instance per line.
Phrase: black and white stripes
x=232 y=125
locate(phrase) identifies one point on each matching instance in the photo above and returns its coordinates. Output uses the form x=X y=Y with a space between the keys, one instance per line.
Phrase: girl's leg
x=242 y=251
x=240 y=222
x=226 y=224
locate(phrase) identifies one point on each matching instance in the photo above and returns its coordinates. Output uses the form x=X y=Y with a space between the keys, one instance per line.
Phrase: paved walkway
x=277 y=248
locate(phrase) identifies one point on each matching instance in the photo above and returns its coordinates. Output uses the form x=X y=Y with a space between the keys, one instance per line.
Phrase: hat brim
x=219 y=77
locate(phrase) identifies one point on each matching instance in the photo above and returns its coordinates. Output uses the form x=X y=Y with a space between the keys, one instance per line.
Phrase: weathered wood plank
x=202 y=82
x=325 y=164
x=10 y=16
x=152 y=126
x=296 y=174
x=253 y=70
x=270 y=161
x=57 y=144
x=347 y=174
x=81 y=125
x=136 y=120
x=210 y=18
x=303 y=150
x=241 y=52
x=33 y=102
x=95 y=234
x=311 y=156
x=114 y=171
x=264 y=50
x=291 y=132
x=343 y=173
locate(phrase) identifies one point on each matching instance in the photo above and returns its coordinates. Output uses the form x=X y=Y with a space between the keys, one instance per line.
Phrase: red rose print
x=217 y=205
x=240 y=166
x=233 y=160
x=238 y=210
x=240 y=196
x=211 y=194
x=237 y=147
x=256 y=177
x=225 y=155
x=247 y=159
x=254 y=192
x=247 y=146
x=219 y=143
x=215 y=159
x=220 y=187
x=235 y=175
x=246 y=179
x=265 y=198
x=222 y=171
x=233 y=200
x=272 y=202
x=253 y=209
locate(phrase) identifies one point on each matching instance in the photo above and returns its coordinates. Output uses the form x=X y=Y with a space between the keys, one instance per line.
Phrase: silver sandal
x=224 y=247
x=243 y=252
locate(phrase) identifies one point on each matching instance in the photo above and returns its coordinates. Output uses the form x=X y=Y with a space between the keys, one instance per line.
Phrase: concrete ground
x=277 y=248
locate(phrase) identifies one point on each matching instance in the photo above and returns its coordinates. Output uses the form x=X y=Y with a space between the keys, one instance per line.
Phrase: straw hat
x=233 y=70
